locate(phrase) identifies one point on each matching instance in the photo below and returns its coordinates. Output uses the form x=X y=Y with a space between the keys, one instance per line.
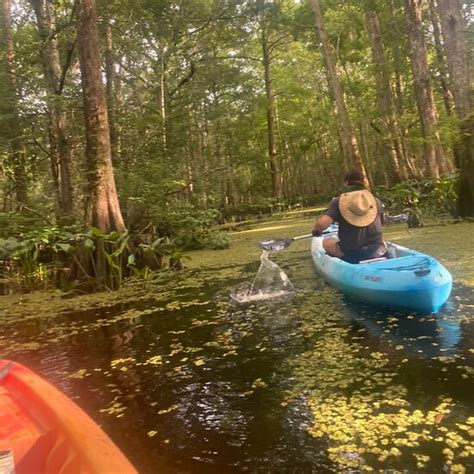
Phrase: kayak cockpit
x=404 y=278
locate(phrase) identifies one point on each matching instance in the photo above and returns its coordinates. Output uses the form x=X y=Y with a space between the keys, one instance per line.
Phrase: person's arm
x=321 y=225
x=324 y=221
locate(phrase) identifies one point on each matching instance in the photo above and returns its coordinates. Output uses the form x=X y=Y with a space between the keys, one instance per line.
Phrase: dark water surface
x=186 y=380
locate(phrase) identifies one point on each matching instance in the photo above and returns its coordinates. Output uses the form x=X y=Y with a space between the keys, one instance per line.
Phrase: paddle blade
x=275 y=245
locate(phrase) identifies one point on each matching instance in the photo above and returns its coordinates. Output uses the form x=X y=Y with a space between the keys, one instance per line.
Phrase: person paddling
x=360 y=217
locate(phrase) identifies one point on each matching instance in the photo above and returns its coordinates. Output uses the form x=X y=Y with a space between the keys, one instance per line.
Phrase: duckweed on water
x=377 y=431
x=306 y=384
x=361 y=409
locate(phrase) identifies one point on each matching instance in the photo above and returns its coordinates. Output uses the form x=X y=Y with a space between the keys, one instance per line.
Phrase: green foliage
x=164 y=247
x=192 y=228
x=112 y=247
x=69 y=257
x=33 y=259
x=14 y=223
x=217 y=241
x=445 y=193
x=435 y=197
x=190 y=120
x=262 y=207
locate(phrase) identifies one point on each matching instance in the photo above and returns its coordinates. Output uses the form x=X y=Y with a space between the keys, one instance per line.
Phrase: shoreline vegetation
x=87 y=260
x=450 y=243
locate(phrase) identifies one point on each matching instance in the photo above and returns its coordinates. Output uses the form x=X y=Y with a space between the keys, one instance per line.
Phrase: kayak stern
x=412 y=281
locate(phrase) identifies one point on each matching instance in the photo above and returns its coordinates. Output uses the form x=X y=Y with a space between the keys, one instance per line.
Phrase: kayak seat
x=369 y=253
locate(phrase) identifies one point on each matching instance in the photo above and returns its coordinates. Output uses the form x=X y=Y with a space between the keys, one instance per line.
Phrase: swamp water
x=184 y=379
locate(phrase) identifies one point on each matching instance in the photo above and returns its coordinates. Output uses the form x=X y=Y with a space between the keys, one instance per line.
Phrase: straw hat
x=359 y=208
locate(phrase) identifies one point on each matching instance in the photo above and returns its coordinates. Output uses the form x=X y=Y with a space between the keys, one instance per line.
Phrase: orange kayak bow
x=43 y=431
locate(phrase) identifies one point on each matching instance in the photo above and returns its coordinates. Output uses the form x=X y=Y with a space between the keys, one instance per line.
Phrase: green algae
x=366 y=410
x=453 y=245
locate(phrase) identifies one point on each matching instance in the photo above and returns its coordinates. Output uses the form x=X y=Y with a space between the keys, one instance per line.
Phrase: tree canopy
x=234 y=105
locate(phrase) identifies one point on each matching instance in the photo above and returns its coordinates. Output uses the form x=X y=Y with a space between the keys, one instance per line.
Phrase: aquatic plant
x=91 y=259
x=422 y=197
x=34 y=259
x=362 y=410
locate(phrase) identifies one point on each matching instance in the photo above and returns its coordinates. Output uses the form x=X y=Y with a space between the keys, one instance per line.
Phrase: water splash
x=270 y=282
x=270 y=278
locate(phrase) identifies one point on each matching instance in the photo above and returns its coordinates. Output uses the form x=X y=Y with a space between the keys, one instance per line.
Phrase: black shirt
x=352 y=238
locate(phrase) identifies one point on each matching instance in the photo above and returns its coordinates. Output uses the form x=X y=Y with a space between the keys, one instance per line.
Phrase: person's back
x=360 y=217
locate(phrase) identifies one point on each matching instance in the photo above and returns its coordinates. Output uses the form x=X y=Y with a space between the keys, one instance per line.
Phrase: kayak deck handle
x=422 y=272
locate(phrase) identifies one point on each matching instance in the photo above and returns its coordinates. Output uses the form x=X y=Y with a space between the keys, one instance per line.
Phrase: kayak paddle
x=279 y=244
x=276 y=245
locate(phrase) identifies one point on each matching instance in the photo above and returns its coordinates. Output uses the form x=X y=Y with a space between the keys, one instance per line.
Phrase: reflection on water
x=427 y=335
x=185 y=380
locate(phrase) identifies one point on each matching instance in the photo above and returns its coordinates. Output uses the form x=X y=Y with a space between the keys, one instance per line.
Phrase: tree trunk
x=110 y=82
x=162 y=100
x=10 y=105
x=457 y=55
x=102 y=209
x=398 y=67
x=59 y=145
x=271 y=129
x=365 y=152
x=432 y=151
x=385 y=104
x=286 y=161
x=397 y=62
x=440 y=60
x=349 y=140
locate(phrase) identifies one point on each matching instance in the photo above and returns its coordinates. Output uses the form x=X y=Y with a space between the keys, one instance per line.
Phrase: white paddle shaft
x=307 y=236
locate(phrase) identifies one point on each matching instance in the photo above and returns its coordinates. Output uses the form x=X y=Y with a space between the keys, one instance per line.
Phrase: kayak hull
x=410 y=280
x=43 y=431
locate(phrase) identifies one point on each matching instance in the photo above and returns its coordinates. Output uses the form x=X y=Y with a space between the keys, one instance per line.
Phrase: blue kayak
x=407 y=279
